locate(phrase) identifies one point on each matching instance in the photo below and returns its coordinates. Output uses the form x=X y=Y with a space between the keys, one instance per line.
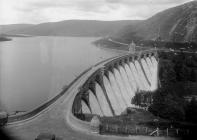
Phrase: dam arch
x=116 y=83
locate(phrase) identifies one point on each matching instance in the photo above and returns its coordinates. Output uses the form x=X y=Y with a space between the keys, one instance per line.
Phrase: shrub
x=167 y=105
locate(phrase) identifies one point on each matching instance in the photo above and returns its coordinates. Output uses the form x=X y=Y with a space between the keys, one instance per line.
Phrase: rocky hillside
x=177 y=24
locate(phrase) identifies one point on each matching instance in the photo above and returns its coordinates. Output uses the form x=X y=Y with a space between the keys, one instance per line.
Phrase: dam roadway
x=58 y=118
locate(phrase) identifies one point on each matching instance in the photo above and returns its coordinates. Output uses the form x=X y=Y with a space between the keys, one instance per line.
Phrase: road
x=145 y=48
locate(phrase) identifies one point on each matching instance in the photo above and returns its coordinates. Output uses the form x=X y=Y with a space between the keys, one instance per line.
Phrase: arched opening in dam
x=110 y=90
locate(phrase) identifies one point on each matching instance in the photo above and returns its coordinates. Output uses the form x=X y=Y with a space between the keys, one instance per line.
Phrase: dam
x=109 y=91
x=105 y=89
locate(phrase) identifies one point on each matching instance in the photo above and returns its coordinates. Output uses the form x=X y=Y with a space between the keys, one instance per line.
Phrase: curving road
x=58 y=119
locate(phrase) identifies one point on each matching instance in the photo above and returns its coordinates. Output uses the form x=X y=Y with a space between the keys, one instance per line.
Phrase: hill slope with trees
x=178 y=24
x=68 y=28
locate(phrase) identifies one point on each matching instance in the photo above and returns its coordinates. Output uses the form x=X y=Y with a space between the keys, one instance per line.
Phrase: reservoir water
x=34 y=69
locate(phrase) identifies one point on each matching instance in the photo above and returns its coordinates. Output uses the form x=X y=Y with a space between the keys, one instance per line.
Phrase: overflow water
x=131 y=79
x=112 y=96
x=146 y=70
x=122 y=87
x=103 y=101
x=117 y=91
x=85 y=108
x=152 y=69
x=136 y=77
x=126 y=82
x=95 y=107
x=142 y=78
x=150 y=65
x=155 y=75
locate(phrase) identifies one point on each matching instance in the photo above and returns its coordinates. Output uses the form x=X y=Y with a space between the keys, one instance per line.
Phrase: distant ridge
x=68 y=28
x=13 y=27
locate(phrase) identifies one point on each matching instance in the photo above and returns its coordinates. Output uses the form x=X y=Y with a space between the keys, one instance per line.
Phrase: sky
x=39 y=11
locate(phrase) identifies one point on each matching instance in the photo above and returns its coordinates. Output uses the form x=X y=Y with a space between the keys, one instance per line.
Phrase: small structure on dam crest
x=132 y=47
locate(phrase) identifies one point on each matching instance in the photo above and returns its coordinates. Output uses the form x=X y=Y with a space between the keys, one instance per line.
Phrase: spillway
x=146 y=70
x=131 y=79
x=152 y=73
x=112 y=97
x=85 y=108
x=150 y=65
x=155 y=71
x=141 y=76
x=103 y=101
x=116 y=91
x=95 y=107
x=126 y=82
x=136 y=77
x=122 y=87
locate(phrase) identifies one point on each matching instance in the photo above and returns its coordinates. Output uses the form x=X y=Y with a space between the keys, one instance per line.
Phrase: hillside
x=177 y=24
x=4 y=39
x=13 y=27
x=72 y=28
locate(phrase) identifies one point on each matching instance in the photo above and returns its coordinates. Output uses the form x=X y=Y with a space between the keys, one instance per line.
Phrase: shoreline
x=3 y=38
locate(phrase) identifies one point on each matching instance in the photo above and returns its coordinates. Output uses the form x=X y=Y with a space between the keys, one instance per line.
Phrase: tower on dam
x=132 y=47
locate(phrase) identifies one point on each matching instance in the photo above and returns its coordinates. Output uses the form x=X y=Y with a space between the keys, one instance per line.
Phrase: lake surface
x=34 y=69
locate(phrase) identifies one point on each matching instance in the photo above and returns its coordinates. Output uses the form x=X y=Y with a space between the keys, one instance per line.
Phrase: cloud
x=145 y=2
x=37 y=11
